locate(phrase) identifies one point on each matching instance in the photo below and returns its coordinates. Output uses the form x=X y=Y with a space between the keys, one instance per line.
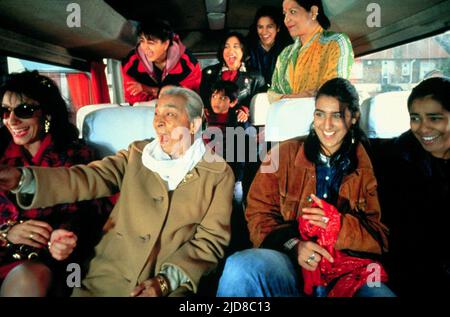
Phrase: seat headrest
x=385 y=115
x=84 y=111
x=289 y=118
x=109 y=130
x=259 y=106
x=151 y=103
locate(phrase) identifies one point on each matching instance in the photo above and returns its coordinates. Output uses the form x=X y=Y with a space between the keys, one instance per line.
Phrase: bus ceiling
x=47 y=30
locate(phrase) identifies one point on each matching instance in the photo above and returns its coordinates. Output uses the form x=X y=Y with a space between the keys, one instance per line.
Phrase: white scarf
x=172 y=170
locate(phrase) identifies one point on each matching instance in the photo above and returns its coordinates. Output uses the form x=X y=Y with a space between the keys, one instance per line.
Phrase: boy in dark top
x=223 y=127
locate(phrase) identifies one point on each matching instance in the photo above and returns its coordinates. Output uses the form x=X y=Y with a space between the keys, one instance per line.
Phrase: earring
x=352 y=132
x=47 y=125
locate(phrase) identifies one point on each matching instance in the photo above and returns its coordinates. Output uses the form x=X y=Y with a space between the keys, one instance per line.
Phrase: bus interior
x=396 y=45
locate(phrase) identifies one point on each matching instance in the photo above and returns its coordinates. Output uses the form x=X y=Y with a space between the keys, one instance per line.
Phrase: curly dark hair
x=277 y=17
x=44 y=90
x=5 y=138
x=241 y=39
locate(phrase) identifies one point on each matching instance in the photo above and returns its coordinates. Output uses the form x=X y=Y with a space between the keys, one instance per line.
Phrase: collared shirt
x=329 y=177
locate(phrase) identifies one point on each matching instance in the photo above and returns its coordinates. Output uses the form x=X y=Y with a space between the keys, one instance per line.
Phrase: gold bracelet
x=4 y=229
x=163 y=285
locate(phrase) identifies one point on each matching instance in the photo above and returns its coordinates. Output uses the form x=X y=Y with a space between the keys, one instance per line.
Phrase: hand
x=316 y=215
x=242 y=116
x=32 y=232
x=305 y=249
x=148 y=288
x=151 y=91
x=62 y=243
x=134 y=88
x=9 y=177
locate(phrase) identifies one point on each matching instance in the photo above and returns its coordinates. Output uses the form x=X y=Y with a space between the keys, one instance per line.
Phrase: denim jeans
x=269 y=273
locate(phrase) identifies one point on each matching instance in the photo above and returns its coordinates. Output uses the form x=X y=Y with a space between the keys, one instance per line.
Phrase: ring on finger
x=325 y=219
x=311 y=258
x=31 y=236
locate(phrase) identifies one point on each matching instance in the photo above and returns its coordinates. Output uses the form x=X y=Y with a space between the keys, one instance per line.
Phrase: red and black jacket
x=185 y=72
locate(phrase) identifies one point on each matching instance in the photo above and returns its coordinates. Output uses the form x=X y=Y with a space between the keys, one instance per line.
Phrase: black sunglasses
x=22 y=111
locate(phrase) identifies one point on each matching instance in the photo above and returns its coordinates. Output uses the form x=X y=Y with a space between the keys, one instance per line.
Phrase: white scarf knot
x=172 y=170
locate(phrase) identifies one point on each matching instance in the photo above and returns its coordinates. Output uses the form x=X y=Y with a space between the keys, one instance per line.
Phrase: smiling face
x=329 y=124
x=154 y=49
x=298 y=21
x=172 y=126
x=25 y=132
x=430 y=123
x=267 y=31
x=232 y=53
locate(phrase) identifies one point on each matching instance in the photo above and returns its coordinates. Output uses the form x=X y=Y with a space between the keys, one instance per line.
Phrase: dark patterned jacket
x=414 y=189
x=249 y=81
x=83 y=218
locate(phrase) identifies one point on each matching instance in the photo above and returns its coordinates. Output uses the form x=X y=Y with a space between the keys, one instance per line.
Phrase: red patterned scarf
x=350 y=272
x=230 y=75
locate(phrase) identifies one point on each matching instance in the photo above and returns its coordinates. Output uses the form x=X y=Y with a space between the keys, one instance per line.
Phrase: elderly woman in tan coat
x=171 y=223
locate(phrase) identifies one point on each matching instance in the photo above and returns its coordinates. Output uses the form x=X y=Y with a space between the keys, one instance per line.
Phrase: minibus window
x=71 y=82
x=402 y=67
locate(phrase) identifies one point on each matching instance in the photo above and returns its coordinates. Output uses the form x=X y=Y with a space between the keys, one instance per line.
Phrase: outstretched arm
x=9 y=177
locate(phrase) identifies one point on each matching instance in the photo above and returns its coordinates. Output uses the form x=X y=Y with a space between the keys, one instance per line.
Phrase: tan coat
x=188 y=228
x=275 y=199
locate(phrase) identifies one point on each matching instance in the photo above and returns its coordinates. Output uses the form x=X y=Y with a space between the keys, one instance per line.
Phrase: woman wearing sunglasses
x=36 y=132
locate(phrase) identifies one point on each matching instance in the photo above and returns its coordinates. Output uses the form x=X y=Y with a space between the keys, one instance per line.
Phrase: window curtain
x=79 y=89
x=85 y=91
x=100 y=92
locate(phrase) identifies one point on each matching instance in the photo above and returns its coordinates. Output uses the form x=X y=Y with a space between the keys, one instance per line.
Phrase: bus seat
x=111 y=129
x=289 y=118
x=151 y=103
x=385 y=115
x=83 y=111
x=259 y=106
